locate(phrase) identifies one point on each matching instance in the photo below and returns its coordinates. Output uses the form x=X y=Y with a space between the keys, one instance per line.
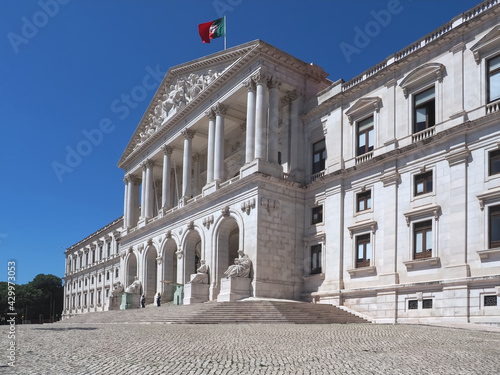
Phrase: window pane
x=365 y=124
x=420 y=187
x=319 y=259
x=494 y=64
x=495 y=87
x=361 y=205
x=494 y=162
x=369 y=203
x=318 y=146
x=360 y=251
x=314 y=260
x=368 y=251
x=418 y=242
x=424 y=96
x=428 y=240
x=370 y=140
x=495 y=228
x=429 y=185
x=362 y=140
x=316 y=158
x=421 y=115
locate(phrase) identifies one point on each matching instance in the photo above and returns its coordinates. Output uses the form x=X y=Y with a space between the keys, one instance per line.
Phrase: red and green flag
x=212 y=30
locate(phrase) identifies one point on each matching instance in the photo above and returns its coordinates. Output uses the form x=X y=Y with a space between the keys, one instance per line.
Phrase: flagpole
x=225 y=31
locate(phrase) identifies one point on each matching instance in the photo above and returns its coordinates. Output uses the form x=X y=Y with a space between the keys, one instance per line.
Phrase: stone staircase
x=259 y=311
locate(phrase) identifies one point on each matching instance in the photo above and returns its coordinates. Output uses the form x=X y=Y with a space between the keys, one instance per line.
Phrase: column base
x=210 y=188
x=195 y=293
x=262 y=166
x=234 y=288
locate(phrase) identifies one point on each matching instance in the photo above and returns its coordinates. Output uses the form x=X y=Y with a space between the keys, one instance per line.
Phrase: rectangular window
x=365 y=136
x=319 y=156
x=364 y=249
x=100 y=253
x=93 y=256
x=424 y=115
x=494 y=79
x=423 y=183
x=427 y=304
x=364 y=201
x=494 y=222
x=422 y=239
x=317 y=215
x=109 y=249
x=413 y=304
x=315 y=259
x=490 y=301
x=494 y=162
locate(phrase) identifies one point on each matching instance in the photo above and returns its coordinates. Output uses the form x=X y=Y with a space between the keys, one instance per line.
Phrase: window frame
x=363 y=239
x=425 y=227
x=368 y=198
x=318 y=208
x=493 y=211
x=318 y=250
x=424 y=105
x=488 y=78
x=423 y=177
x=493 y=155
x=366 y=132
x=322 y=153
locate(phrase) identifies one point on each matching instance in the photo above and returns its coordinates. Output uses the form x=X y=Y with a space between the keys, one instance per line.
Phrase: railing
x=229 y=182
x=315 y=176
x=194 y=199
x=365 y=157
x=427 y=133
x=429 y=38
x=493 y=107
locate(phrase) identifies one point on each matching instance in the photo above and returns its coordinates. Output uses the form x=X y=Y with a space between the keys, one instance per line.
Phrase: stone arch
x=169 y=264
x=192 y=254
x=131 y=269
x=228 y=240
x=150 y=273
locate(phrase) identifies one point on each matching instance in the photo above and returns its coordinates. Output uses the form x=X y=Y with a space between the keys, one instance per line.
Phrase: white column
x=260 y=116
x=133 y=201
x=220 y=111
x=186 y=170
x=272 y=137
x=125 y=203
x=149 y=188
x=211 y=145
x=296 y=134
x=250 y=125
x=166 y=182
x=196 y=174
x=143 y=191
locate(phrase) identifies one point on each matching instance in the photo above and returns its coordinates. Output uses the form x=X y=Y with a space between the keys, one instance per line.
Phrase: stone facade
x=381 y=194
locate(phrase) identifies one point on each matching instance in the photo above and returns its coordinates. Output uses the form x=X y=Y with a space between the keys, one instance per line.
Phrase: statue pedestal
x=178 y=294
x=115 y=302
x=130 y=301
x=234 y=288
x=195 y=293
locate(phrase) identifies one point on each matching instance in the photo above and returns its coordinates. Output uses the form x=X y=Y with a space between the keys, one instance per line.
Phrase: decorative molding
x=225 y=211
x=248 y=205
x=140 y=248
x=167 y=150
x=179 y=254
x=421 y=212
x=260 y=78
x=455 y=157
x=363 y=106
x=488 y=42
x=150 y=242
x=168 y=235
x=270 y=204
x=219 y=109
x=188 y=133
x=158 y=261
x=190 y=225
x=273 y=83
x=491 y=195
x=390 y=177
x=249 y=84
x=208 y=221
x=427 y=72
x=363 y=226
x=422 y=263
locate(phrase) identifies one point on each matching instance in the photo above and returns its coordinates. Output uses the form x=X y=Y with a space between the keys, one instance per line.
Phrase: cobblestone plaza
x=251 y=349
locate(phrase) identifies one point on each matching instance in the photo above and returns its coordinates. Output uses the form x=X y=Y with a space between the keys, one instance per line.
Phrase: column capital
x=293 y=95
x=126 y=179
x=196 y=158
x=249 y=84
x=136 y=181
x=149 y=163
x=273 y=83
x=188 y=133
x=210 y=114
x=167 y=150
x=259 y=78
x=144 y=166
x=219 y=109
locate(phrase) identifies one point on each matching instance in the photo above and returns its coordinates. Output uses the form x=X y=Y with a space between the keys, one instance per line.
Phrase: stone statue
x=241 y=266
x=135 y=287
x=117 y=290
x=201 y=275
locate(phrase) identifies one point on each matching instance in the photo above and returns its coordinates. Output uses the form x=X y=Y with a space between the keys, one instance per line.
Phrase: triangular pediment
x=363 y=106
x=425 y=73
x=488 y=43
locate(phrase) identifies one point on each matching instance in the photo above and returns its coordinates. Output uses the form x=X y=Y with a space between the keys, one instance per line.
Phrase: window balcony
x=493 y=107
x=363 y=158
x=315 y=176
x=424 y=134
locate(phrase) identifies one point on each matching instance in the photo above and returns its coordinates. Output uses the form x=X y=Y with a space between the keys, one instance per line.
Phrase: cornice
x=97 y=233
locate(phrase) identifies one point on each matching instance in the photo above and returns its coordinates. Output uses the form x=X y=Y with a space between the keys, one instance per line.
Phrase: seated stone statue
x=201 y=275
x=135 y=287
x=241 y=266
x=117 y=290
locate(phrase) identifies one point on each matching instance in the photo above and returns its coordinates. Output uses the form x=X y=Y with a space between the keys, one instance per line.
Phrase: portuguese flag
x=212 y=30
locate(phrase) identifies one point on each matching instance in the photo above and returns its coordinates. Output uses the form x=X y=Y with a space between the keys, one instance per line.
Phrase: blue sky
x=67 y=65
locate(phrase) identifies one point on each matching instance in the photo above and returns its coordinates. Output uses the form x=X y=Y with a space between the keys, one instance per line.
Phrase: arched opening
x=150 y=274
x=192 y=254
x=228 y=244
x=131 y=269
x=169 y=270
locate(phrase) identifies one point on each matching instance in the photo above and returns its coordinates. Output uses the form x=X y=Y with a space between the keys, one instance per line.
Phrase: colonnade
x=262 y=120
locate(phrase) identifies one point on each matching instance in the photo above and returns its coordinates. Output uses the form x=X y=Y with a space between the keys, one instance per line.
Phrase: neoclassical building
x=380 y=194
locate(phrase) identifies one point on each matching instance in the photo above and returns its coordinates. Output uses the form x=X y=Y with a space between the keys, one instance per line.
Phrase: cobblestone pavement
x=249 y=349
